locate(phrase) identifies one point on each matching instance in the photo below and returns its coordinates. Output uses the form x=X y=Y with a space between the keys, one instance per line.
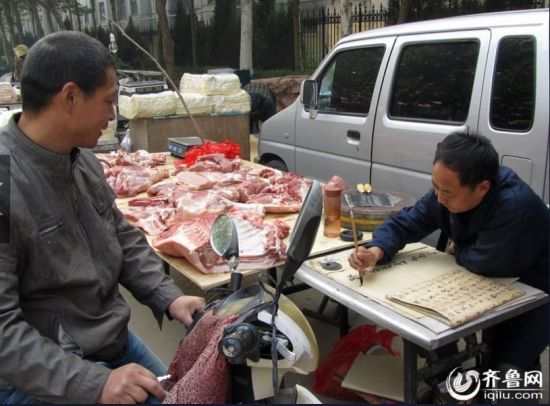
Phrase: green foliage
x=28 y=39
x=430 y=9
x=225 y=34
x=272 y=26
x=259 y=74
x=67 y=24
x=183 y=52
x=128 y=53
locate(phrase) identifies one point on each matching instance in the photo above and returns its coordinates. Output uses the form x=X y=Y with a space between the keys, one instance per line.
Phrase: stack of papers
x=456 y=297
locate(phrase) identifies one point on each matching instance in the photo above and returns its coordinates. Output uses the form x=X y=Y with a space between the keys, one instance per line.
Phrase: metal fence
x=320 y=30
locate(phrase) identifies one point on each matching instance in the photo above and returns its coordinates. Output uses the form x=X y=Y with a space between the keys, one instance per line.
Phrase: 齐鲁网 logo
x=463 y=385
x=495 y=385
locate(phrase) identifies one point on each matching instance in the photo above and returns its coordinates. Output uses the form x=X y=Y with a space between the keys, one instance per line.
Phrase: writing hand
x=364 y=259
x=451 y=249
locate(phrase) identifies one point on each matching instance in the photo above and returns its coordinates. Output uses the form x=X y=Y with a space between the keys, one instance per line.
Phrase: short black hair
x=59 y=58
x=472 y=156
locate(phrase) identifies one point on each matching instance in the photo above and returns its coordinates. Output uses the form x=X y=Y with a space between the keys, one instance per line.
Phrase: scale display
x=179 y=145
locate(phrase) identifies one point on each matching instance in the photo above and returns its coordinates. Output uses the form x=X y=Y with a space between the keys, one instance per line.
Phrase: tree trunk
x=165 y=37
x=5 y=44
x=13 y=40
x=297 y=35
x=36 y=18
x=404 y=11
x=94 y=21
x=56 y=14
x=48 y=22
x=77 y=12
x=345 y=18
x=114 y=15
x=194 y=34
x=18 y=22
x=245 y=60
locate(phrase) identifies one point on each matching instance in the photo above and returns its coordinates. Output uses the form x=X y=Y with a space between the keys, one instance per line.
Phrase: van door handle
x=354 y=135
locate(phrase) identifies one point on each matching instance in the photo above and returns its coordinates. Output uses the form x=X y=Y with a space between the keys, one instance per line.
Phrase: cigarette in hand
x=163 y=377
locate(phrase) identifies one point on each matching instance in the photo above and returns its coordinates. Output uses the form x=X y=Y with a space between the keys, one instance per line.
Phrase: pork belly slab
x=260 y=242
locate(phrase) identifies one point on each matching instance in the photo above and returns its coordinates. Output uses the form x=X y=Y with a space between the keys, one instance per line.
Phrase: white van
x=378 y=104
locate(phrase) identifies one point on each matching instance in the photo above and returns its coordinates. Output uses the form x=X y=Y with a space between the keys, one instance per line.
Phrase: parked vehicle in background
x=378 y=104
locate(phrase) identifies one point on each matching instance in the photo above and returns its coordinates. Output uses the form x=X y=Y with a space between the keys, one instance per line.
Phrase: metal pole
x=323 y=33
x=409 y=379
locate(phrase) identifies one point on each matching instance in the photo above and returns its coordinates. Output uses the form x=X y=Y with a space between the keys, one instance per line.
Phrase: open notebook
x=456 y=297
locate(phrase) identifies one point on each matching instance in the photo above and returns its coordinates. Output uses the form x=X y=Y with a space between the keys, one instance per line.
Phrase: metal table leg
x=410 y=353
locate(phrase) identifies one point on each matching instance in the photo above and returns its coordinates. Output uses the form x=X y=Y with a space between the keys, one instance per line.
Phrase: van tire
x=277 y=164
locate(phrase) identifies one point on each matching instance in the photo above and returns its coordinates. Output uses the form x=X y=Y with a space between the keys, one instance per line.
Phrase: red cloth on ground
x=330 y=373
x=200 y=374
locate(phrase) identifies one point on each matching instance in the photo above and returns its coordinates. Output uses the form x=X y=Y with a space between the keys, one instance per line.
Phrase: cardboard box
x=151 y=134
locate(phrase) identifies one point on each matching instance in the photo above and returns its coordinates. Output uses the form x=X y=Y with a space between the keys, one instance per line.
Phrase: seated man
x=65 y=245
x=498 y=228
x=262 y=104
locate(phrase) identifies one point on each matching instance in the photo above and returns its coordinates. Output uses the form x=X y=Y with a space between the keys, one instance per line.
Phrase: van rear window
x=434 y=81
x=513 y=97
x=348 y=83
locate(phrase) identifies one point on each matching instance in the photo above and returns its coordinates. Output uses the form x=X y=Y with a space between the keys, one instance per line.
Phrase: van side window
x=434 y=81
x=513 y=98
x=348 y=83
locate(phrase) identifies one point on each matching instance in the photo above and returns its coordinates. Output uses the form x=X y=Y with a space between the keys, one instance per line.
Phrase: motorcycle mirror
x=223 y=237
x=225 y=242
x=304 y=232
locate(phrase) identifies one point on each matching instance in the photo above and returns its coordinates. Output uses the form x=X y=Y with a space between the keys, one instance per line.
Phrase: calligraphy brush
x=351 y=205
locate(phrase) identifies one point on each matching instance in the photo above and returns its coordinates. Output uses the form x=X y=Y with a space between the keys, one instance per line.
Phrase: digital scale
x=178 y=146
x=143 y=87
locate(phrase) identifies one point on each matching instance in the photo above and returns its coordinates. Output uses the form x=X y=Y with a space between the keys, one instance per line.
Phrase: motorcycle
x=270 y=335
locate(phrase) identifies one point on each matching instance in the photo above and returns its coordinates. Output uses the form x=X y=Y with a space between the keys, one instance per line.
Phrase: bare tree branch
x=167 y=77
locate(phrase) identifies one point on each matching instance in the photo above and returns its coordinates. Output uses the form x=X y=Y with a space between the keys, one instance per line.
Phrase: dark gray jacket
x=69 y=249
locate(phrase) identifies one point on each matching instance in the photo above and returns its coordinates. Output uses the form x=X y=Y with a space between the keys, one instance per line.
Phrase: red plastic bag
x=229 y=148
x=330 y=373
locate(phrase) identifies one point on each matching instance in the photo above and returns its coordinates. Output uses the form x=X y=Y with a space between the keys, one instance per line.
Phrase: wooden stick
x=166 y=76
x=353 y=230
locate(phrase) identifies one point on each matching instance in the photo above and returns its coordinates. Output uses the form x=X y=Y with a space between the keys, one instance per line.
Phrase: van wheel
x=277 y=164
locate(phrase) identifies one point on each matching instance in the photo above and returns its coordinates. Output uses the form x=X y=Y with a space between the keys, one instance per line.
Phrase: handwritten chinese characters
x=457 y=296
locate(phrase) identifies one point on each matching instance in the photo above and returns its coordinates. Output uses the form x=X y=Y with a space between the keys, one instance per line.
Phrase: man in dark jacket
x=262 y=104
x=497 y=225
x=66 y=246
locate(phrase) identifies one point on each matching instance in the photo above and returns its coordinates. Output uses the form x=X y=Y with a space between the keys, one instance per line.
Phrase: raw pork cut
x=152 y=220
x=131 y=180
x=140 y=158
x=196 y=203
x=260 y=243
x=215 y=163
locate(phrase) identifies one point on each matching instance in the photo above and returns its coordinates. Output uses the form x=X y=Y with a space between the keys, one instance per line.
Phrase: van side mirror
x=308 y=95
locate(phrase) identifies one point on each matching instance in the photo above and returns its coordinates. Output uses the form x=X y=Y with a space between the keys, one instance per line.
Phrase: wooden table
x=323 y=245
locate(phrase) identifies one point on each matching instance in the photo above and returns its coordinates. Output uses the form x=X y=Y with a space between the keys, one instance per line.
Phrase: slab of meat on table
x=207 y=180
x=154 y=214
x=152 y=220
x=190 y=204
x=130 y=173
x=215 y=163
x=260 y=242
x=283 y=194
x=131 y=180
x=122 y=157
